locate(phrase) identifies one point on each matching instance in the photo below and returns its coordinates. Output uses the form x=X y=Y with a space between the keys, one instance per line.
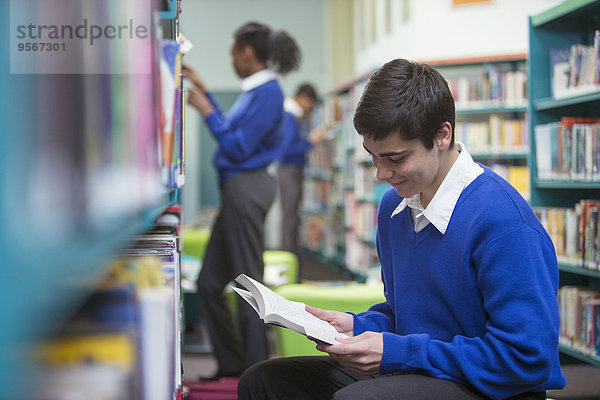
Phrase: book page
x=246 y=295
x=278 y=309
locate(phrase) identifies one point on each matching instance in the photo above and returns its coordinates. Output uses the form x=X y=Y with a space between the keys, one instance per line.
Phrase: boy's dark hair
x=307 y=90
x=277 y=49
x=407 y=98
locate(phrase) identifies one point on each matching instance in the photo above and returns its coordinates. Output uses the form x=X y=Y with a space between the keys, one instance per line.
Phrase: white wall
x=435 y=29
x=210 y=24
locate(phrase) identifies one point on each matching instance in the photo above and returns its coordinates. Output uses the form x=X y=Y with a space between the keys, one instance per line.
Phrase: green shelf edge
x=576 y=354
x=552 y=103
x=559 y=11
x=548 y=184
x=562 y=266
x=490 y=110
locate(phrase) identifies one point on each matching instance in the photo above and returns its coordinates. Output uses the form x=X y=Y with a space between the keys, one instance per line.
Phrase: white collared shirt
x=258 y=78
x=291 y=105
x=440 y=208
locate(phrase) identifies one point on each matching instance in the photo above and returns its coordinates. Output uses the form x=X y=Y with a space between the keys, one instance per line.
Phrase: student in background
x=248 y=139
x=470 y=274
x=297 y=141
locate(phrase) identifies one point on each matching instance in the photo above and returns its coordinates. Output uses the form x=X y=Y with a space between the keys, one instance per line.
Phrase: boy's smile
x=409 y=166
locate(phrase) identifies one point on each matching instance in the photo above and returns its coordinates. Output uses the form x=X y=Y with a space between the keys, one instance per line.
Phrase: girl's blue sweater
x=249 y=135
x=295 y=144
x=476 y=305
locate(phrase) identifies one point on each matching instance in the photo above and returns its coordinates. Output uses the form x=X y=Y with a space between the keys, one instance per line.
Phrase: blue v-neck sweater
x=476 y=305
x=249 y=135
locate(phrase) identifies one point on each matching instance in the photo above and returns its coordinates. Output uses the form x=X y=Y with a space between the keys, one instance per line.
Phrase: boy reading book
x=470 y=274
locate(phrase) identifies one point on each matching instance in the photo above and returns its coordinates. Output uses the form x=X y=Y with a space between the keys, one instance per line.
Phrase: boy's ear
x=444 y=136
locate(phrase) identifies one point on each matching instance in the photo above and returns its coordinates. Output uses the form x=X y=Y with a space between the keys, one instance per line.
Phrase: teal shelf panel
x=368 y=200
x=490 y=110
x=545 y=184
x=579 y=355
x=368 y=242
x=174 y=197
x=317 y=175
x=501 y=156
x=552 y=103
x=318 y=211
x=561 y=10
x=171 y=13
x=578 y=270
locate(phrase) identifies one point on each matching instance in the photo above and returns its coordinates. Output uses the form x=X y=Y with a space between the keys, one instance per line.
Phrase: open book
x=277 y=310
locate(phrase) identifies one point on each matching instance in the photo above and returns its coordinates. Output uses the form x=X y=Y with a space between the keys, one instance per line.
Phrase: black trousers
x=290 y=192
x=317 y=378
x=236 y=246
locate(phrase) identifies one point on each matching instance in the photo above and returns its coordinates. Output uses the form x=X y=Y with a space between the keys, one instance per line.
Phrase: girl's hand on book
x=342 y=322
x=361 y=354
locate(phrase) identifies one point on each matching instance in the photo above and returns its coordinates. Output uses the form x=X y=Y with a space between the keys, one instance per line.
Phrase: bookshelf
x=559 y=189
x=339 y=205
x=491 y=111
x=79 y=180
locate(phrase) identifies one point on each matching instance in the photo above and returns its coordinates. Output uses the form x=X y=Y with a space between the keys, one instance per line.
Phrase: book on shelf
x=579 y=326
x=494 y=85
x=568 y=150
x=497 y=135
x=277 y=310
x=559 y=70
x=575 y=69
x=171 y=106
x=574 y=232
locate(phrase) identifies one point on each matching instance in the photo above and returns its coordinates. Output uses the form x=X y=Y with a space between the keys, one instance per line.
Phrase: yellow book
x=110 y=348
x=518 y=176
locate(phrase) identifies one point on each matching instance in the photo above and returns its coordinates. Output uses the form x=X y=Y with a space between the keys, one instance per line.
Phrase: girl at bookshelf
x=297 y=142
x=470 y=274
x=248 y=138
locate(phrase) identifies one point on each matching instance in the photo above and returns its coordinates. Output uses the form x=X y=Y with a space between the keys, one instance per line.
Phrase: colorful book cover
x=170 y=67
x=559 y=70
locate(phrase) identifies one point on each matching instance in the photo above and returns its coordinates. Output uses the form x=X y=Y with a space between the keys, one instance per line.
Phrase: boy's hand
x=361 y=354
x=342 y=322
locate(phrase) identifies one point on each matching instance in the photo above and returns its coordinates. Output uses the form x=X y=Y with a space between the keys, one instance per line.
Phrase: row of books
x=321 y=234
x=124 y=341
x=574 y=232
x=568 y=150
x=516 y=175
x=361 y=258
x=361 y=218
x=331 y=173
x=496 y=85
x=496 y=135
x=580 y=319
x=575 y=68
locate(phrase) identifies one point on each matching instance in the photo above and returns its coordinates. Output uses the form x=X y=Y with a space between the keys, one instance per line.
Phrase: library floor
x=583 y=381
